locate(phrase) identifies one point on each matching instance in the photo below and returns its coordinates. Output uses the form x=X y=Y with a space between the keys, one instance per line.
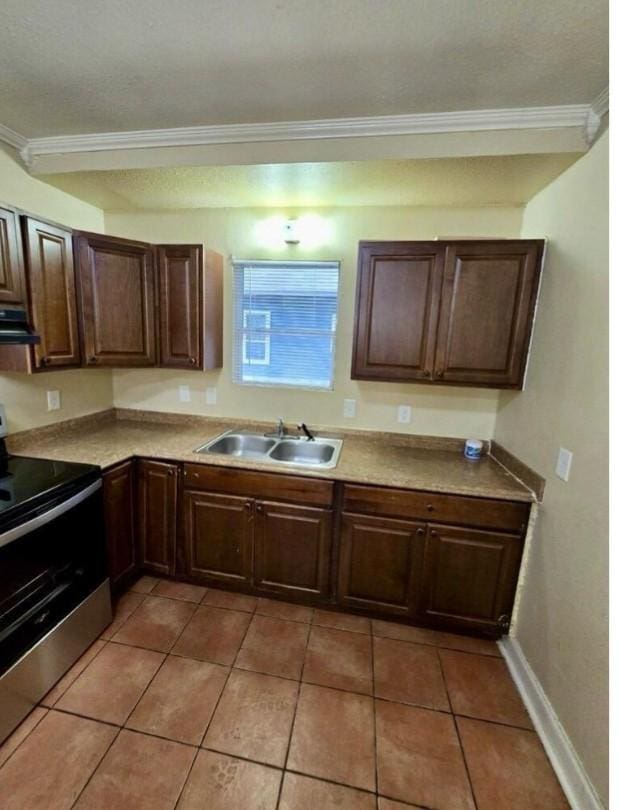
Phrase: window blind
x=285 y=319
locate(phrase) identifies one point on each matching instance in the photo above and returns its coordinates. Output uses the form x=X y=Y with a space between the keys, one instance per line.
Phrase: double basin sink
x=290 y=450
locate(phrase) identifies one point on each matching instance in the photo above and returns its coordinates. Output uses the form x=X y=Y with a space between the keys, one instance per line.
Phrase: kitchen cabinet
x=292 y=547
x=397 y=557
x=380 y=563
x=218 y=537
x=469 y=578
x=190 y=307
x=119 y=510
x=12 y=280
x=457 y=313
x=157 y=515
x=398 y=291
x=268 y=532
x=53 y=301
x=116 y=301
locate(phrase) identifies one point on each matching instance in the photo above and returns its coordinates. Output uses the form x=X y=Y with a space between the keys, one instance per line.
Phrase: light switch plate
x=564 y=464
x=53 y=400
x=211 y=395
x=184 y=394
x=404 y=414
x=350 y=408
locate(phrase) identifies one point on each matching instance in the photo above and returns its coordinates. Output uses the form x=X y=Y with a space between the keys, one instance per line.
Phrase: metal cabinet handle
x=421 y=531
x=427 y=373
x=247 y=505
x=193 y=361
x=440 y=373
x=434 y=533
x=259 y=507
x=171 y=471
x=430 y=507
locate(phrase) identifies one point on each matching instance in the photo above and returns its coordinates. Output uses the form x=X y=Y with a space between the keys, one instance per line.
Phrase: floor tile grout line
x=128 y=616
x=457 y=730
x=373 y=656
x=77 y=677
x=46 y=709
x=96 y=768
x=294 y=717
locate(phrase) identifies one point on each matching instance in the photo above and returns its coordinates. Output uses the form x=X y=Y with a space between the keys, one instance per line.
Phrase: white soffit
x=449 y=134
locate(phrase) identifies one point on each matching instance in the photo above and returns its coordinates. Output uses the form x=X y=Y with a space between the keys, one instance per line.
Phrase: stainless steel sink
x=320 y=453
x=247 y=445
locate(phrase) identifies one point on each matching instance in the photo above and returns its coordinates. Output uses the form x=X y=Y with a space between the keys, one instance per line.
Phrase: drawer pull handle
x=420 y=531
x=259 y=508
x=247 y=504
x=434 y=533
x=430 y=508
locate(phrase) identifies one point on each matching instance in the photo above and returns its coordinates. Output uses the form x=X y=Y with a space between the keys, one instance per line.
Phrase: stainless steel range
x=54 y=591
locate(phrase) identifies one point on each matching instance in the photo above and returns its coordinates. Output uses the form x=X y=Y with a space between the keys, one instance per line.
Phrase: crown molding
x=13 y=138
x=597 y=110
x=586 y=117
x=559 y=117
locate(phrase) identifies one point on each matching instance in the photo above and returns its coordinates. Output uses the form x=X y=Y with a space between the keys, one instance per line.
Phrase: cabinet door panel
x=12 y=282
x=53 y=300
x=218 y=537
x=469 y=577
x=117 y=301
x=157 y=491
x=118 y=499
x=380 y=563
x=180 y=274
x=292 y=549
x=487 y=303
x=397 y=305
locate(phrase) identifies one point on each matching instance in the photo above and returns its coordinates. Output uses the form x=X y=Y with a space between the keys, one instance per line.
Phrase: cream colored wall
x=562 y=623
x=244 y=233
x=82 y=392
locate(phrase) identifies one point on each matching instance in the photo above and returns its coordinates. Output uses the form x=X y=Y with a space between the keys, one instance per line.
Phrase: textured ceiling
x=455 y=181
x=70 y=67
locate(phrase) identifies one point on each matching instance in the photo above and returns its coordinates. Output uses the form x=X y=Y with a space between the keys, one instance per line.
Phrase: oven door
x=50 y=563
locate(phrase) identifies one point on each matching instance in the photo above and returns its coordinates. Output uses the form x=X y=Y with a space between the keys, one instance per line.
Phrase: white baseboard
x=569 y=769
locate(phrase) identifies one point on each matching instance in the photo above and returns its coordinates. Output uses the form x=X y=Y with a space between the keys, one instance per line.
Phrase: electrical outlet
x=211 y=395
x=404 y=414
x=184 y=394
x=564 y=464
x=53 y=400
x=350 y=408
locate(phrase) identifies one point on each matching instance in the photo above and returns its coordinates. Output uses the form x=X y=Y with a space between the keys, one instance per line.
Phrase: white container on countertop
x=473 y=449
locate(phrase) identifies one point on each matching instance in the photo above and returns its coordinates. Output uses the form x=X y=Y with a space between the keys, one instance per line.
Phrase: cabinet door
x=398 y=288
x=469 y=578
x=118 y=499
x=180 y=276
x=53 y=301
x=157 y=499
x=292 y=547
x=218 y=537
x=116 y=280
x=380 y=563
x=12 y=282
x=487 y=306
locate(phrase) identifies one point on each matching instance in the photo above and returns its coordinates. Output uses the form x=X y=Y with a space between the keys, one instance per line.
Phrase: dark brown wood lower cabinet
x=292 y=546
x=157 y=514
x=118 y=500
x=218 y=537
x=380 y=563
x=469 y=578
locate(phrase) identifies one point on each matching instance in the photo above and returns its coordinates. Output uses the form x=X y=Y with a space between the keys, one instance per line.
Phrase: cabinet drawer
x=432 y=506
x=267 y=486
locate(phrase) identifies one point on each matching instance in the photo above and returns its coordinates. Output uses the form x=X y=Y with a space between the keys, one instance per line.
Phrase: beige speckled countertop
x=395 y=460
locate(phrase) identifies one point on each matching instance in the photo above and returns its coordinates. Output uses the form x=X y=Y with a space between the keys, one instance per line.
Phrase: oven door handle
x=46 y=517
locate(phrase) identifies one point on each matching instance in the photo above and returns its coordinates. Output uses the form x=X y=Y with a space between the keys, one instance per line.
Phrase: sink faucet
x=280 y=430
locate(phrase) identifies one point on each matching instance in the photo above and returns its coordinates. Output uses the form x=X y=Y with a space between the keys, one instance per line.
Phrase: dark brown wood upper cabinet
x=398 y=288
x=53 y=301
x=12 y=280
x=190 y=307
x=157 y=515
x=459 y=313
x=117 y=301
x=486 y=316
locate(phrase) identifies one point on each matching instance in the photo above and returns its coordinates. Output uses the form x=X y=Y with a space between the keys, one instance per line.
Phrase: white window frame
x=265 y=339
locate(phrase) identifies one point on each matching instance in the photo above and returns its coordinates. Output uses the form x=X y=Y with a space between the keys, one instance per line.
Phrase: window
x=285 y=318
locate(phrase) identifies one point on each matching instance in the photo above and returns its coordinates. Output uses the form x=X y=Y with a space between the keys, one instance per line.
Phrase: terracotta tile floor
x=197 y=699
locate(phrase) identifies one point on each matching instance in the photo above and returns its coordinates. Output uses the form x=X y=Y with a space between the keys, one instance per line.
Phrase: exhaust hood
x=15 y=330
